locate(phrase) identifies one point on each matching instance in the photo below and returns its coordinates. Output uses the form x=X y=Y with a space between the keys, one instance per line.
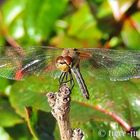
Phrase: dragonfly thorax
x=64 y=63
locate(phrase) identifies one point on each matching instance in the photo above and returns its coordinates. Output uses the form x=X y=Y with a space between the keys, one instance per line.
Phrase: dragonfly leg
x=71 y=80
x=66 y=77
x=62 y=77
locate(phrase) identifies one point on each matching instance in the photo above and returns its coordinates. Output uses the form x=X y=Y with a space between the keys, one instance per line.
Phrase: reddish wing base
x=19 y=75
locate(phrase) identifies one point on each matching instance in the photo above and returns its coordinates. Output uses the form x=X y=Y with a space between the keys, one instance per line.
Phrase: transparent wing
x=117 y=65
x=16 y=64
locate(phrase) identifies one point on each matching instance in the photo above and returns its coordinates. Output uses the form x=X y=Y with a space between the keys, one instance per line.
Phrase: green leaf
x=114 y=100
x=4 y=135
x=7 y=115
x=32 y=22
x=82 y=112
x=62 y=41
x=104 y=9
x=19 y=132
x=41 y=124
x=121 y=98
x=83 y=25
x=41 y=16
x=32 y=92
x=3 y=84
x=107 y=131
x=130 y=33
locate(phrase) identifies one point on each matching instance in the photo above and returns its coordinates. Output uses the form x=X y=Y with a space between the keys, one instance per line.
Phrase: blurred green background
x=113 y=24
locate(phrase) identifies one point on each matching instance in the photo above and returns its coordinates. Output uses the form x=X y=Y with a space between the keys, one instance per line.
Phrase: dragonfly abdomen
x=81 y=82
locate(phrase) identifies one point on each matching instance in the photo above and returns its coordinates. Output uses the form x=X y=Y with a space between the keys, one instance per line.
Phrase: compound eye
x=59 y=59
x=68 y=60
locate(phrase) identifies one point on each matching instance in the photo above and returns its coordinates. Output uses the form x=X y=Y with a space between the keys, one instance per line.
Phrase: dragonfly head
x=64 y=63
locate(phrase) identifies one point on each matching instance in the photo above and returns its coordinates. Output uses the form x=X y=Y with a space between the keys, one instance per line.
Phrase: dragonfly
x=116 y=65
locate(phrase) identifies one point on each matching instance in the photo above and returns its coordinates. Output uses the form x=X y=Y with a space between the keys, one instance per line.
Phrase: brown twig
x=60 y=104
